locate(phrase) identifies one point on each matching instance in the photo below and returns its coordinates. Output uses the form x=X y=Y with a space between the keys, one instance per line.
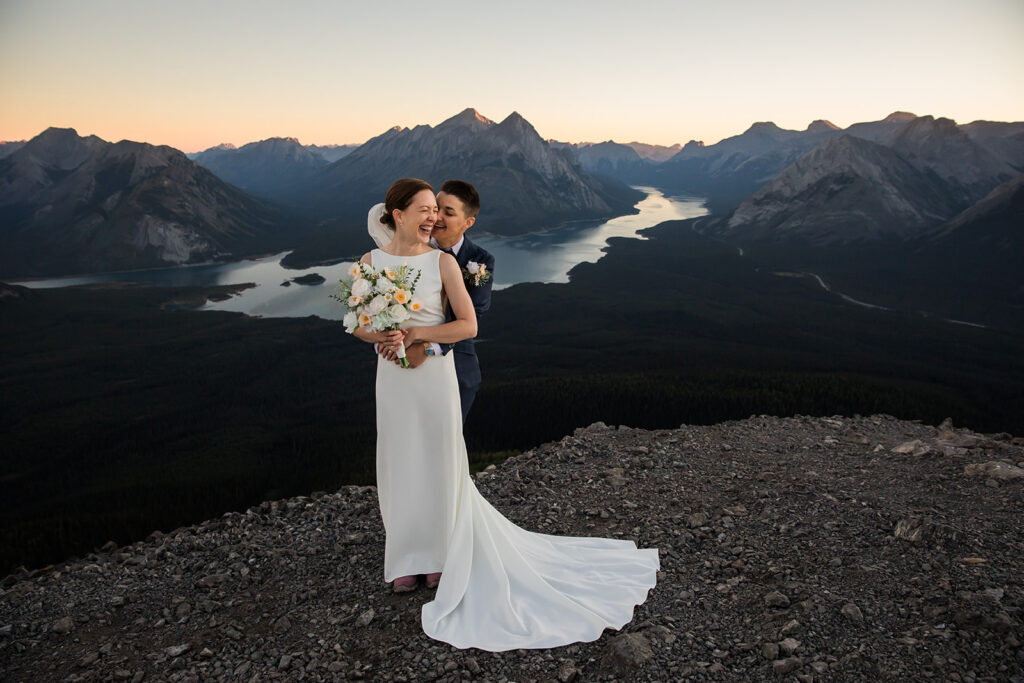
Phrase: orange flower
x=416 y=305
x=401 y=296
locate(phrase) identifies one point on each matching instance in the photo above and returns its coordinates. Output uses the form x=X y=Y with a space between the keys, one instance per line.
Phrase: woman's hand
x=390 y=339
x=412 y=335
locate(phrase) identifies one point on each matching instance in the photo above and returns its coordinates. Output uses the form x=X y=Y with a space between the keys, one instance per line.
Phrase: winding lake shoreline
x=544 y=256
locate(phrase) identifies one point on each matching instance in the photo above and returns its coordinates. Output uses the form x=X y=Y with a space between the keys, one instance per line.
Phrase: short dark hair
x=400 y=196
x=466 y=192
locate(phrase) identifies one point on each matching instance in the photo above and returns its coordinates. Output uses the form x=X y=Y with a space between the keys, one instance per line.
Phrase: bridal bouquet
x=379 y=300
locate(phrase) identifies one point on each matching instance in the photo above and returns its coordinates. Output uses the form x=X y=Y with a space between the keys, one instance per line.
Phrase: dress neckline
x=414 y=256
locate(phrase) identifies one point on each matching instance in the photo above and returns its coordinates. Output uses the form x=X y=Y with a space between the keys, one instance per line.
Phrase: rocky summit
x=803 y=548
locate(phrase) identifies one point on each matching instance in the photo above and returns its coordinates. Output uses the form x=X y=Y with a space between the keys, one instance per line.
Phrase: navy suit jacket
x=467 y=366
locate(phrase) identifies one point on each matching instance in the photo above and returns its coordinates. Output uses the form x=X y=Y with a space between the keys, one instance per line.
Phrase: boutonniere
x=476 y=273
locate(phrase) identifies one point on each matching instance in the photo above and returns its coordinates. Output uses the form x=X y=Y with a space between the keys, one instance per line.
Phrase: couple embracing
x=499 y=586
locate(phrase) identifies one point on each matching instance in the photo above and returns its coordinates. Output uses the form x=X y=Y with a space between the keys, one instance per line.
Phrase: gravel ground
x=803 y=548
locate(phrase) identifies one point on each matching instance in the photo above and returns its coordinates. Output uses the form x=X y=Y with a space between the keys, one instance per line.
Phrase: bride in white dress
x=501 y=587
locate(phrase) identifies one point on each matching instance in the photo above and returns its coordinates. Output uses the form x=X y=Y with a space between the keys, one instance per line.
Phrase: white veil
x=381 y=233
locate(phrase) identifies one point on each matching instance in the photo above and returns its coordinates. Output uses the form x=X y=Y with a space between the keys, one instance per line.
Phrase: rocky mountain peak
x=279 y=147
x=54 y=134
x=900 y=116
x=763 y=127
x=694 y=144
x=468 y=117
x=136 y=147
x=278 y=141
x=515 y=119
x=821 y=126
x=514 y=125
x=60 y=148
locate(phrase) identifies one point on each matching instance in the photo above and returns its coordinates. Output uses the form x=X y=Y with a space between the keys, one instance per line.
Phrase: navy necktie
x=448 y=250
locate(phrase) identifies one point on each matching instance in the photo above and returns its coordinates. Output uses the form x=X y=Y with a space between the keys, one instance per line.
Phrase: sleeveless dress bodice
x=428 y=289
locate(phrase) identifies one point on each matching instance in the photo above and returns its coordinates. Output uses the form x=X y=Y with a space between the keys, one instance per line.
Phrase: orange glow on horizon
x=193 y=75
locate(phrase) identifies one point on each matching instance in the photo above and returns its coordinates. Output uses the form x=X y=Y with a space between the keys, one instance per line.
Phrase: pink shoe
x=404 y=584
x=433 y=579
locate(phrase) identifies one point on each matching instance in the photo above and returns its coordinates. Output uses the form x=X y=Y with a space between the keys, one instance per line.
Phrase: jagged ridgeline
x=525 y=184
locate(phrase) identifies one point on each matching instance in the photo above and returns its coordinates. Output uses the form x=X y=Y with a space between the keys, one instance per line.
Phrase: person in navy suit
x=457 y=207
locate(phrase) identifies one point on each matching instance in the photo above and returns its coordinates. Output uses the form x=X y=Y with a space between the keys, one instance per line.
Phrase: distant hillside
x=70 y=204
x=983 y=246
x=332 y=153
x=969 y=168
x=847 y=189
x=656 y=153
x=1005 y=140
x=734 y=168
x=263 y=168
x=9 y=147
x=610 y=158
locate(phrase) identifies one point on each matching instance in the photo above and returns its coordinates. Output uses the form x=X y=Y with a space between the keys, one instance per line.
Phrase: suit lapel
x=462 y=258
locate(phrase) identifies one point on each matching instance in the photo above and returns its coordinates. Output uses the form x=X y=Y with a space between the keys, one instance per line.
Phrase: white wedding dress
x=502 y=587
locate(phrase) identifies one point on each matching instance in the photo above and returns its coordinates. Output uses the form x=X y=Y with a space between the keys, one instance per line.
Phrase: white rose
x=361 y=288
x=351 y=321
x=385 y=285
x=377 y=305
x=473 y=267
x=398 y=313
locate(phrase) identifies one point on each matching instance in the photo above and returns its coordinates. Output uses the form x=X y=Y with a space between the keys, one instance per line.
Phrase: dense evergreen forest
x=123 y=411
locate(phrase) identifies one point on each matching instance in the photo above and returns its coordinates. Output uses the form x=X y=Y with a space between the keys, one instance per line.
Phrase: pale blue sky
x=193 y=74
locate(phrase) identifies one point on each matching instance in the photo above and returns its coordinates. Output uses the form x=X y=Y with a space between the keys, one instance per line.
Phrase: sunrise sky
x=194 y=74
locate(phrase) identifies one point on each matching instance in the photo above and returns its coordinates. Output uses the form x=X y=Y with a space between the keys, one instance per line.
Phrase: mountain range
x=881 y=181
x=525 y=184
x=972 y=158
x=72 y=204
